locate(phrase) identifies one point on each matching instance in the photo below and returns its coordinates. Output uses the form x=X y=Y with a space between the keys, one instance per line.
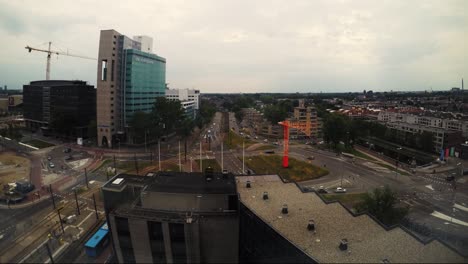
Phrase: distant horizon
x=253 y=46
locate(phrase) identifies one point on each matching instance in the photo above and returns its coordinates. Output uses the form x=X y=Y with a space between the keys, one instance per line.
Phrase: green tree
x=165 y=117
x=206 y=113
x=185 y=130
x=239 y=115
x=381 y=203
x=275 y=113
x=334 y=129
x=140 y=124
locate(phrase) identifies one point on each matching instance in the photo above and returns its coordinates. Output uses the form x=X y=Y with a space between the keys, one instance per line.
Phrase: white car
x=340 y=190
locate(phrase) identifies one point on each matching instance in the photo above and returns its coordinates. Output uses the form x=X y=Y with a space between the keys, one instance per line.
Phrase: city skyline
x=303 y=46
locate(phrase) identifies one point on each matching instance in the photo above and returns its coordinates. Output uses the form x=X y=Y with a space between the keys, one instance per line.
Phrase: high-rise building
x=173 y=217
x=129 y=80
x=146 y=43
x=73 y=101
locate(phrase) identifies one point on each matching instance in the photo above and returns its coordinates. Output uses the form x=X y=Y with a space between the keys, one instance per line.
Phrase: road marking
x=430 y=187
x=461 y=207
x=449 y=218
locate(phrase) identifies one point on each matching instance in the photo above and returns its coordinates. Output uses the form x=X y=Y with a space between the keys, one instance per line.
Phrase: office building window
x=156 y=242
x=112 y=69
x=104 y=70
x=179 y=254
x=125 y=241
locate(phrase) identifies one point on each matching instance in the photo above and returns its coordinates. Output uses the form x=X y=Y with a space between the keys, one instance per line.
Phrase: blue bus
x=98 y=241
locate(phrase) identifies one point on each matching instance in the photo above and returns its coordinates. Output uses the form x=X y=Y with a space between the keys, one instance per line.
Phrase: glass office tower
x=144 y=80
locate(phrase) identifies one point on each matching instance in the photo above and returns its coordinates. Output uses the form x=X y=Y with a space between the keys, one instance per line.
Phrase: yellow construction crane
x=50 y=52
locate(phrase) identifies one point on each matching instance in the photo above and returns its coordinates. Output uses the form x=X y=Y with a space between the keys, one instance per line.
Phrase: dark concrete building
x=72 y=103
x=173 y=217
x=176 y=217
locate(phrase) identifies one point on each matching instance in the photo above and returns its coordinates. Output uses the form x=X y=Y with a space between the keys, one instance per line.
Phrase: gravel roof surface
x=367 y=240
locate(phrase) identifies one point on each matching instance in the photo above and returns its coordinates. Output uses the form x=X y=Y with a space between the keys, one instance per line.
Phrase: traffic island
x=297 y=170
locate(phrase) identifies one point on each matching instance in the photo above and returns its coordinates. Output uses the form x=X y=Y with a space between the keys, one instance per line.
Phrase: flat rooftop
x=367 y=240
x=176 y=182
x=192 y=182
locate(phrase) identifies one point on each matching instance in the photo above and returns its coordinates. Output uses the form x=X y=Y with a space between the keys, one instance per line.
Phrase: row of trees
x=166 y=118
x=338 y=128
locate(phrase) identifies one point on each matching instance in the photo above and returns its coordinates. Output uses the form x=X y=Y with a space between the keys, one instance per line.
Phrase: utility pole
x=86 y=177
x=136 y=163
x=180 y=164
x=60 y=219
x=145 y=141
x=115 y=166
x=191 y=167
x=49 y=252
x=52 y=195
x=222 y=157
x=201 y=160
x=76 y=200
x=243 y=157
x=95 y=208
x=159 y=153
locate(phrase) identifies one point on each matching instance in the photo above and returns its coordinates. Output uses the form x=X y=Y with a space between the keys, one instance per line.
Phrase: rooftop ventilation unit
x=344 y=244
x=265 y=195
x=284 y=210
x=311 y=225
x=209 y=174
x=247 y=184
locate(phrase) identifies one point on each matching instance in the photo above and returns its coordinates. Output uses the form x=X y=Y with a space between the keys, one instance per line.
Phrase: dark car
x=69 y=157
x=67 y=150
x=322 y=190
x=450 y=178
x=270 y=152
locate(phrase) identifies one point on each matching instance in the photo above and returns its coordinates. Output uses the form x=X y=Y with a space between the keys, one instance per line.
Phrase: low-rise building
x=189 y=99
x=443 y=138
x=173 y=217
x=280 y=223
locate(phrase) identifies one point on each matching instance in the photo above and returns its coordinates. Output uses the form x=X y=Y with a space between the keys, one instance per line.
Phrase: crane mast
x=50 y=52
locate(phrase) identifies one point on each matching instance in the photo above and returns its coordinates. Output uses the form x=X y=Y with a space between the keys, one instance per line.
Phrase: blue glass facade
x=144 y=80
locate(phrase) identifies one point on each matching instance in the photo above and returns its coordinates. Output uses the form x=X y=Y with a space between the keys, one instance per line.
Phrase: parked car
x=225 y=172
x=51 y=165
x=265 y=140
x=340 y=190
x=270 y=152
x=49 y=158
x=69 y=157
x=67 y=150
x=311 y=157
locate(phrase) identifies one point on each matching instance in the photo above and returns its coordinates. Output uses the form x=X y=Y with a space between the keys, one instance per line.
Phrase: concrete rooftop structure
x=367 y=240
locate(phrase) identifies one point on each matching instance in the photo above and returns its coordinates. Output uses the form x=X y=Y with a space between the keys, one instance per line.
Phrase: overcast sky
x=250 y=46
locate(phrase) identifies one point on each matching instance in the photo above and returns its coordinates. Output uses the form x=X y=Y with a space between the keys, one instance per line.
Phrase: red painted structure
x=286 y=125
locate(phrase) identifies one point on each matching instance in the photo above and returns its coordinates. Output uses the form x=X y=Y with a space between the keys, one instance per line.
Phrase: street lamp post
x=60 y=219
x=146 y=131
x=397 y=161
